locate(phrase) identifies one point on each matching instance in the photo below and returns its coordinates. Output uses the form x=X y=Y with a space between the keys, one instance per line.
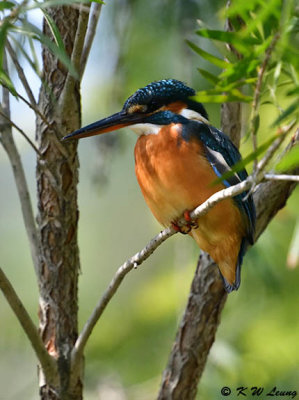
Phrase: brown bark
x=57 y=178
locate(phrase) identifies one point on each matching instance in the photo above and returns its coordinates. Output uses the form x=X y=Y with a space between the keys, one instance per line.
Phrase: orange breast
x=174 y=176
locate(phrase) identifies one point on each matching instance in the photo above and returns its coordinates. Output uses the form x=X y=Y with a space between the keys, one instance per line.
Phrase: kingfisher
x=179 y=157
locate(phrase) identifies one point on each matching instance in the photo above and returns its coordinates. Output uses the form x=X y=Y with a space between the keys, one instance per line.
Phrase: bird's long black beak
x=112 y=123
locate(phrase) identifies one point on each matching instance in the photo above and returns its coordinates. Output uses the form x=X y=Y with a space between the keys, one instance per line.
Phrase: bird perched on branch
x=178 y=157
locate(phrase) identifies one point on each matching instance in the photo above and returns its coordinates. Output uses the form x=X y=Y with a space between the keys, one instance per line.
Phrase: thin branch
x=293 y=253
x=281 y=177
x=141 y=256
x=19 y=176
x=21 y=74
x=257 y=174
x=47 y=362
x=34 y=108
x=76 y=56
x=21 y=132
x=257 y=93
x=93 y=21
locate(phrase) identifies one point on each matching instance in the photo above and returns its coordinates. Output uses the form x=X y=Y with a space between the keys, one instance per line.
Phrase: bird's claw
x=189 y=224
x=193 y=224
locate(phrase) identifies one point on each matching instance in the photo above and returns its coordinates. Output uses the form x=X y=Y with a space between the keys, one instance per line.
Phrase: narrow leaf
x=233 y=38
x=207 y=75
x=6 y=81
x=290 y=160
x=3 y=33
x=239 y=166
x=286 y=113
x=6 y=5
x=54 y=30
x=32 y=31
x=244 y=69
x=293 y=91
x=207 y=56
x=214 y=96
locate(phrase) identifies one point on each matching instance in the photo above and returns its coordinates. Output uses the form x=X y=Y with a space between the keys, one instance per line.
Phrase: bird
x=179 y=158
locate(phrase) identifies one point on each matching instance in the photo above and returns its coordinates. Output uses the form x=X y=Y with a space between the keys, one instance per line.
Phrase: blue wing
x=223 y=155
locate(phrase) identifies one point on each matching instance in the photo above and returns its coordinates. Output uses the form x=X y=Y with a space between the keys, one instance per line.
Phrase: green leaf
x=256 y=123
x=251 y=157
x=290 y=160
x=266 y=10
x=215 y=96
x=244 y=69
x=6 y=81
x=6 y=5
x=207 y=75
x=207 y=56
x=292 y=107
x=224 y=86
x=233 y=38
x=32 y=31
x=3 y=33
x=293 y=91
x=54 y=29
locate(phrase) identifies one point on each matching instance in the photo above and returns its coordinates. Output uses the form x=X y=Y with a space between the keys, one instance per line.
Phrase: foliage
x=260 y=60
x=257 y=28
x=15 y=26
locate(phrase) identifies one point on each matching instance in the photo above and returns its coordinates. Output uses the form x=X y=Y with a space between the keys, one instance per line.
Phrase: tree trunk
x=57 y=178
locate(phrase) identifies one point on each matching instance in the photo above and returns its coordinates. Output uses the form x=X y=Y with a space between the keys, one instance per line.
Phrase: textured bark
x=231 y=121
x=57 y=177
x=196 y=333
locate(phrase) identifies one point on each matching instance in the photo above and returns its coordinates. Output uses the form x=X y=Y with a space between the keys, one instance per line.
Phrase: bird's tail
x=229 y=287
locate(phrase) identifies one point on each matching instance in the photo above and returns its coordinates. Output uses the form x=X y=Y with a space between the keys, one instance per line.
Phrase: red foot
x=182 y=229
x=185 y=228
x=189 y=221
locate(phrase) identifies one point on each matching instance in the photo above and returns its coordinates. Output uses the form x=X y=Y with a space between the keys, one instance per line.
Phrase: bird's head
x=159 y=103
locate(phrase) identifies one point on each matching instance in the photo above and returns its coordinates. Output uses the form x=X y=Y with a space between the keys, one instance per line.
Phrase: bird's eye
x=137 y=108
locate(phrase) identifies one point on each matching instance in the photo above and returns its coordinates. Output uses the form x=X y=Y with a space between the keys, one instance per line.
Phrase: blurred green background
x=257 y=342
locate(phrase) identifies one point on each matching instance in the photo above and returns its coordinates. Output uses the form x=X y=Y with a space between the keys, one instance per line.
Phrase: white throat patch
x=146 y=129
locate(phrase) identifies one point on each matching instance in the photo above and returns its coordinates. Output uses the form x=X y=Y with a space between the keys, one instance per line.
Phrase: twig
x=257 y=92
x=34 y=108
x=293 y=253
x=93 y=21
x=47 y=362
x=21 y=132
x=141 y=256
x=19 y=176
x=282 y=132
x=76 y=56
x=281 y=177
x=258 y=174
x=21 y=74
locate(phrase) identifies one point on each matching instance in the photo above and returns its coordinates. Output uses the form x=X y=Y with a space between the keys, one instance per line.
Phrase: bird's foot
x=186 y=228
x=193 y=224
